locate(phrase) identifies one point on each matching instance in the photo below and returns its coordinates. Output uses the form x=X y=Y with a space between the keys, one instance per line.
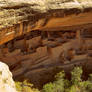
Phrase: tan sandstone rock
x=6 y=82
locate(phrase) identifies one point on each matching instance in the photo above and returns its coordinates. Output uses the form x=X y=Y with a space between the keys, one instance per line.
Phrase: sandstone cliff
x=17 y=17
x=15 y=11
x=37 y=35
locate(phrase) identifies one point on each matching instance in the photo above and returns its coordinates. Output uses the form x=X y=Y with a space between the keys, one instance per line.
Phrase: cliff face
x=39 y=35
x=16 y=11
x=44 y=15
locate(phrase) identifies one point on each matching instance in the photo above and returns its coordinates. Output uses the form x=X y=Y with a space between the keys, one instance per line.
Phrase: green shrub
x=25 y=86
x=76 y=84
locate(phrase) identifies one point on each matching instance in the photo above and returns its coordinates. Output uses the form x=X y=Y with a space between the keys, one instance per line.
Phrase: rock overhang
x=45 y=15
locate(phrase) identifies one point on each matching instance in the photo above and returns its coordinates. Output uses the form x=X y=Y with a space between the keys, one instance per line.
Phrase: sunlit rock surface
x=6 y=81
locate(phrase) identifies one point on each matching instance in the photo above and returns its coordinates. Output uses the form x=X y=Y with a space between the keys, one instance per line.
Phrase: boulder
x=6 y=82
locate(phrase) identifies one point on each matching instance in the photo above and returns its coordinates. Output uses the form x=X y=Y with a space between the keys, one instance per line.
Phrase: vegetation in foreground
x=61 y=84
x=25 y=86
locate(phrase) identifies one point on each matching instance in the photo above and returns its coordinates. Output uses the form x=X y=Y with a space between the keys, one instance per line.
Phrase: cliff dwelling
x=36 y=37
